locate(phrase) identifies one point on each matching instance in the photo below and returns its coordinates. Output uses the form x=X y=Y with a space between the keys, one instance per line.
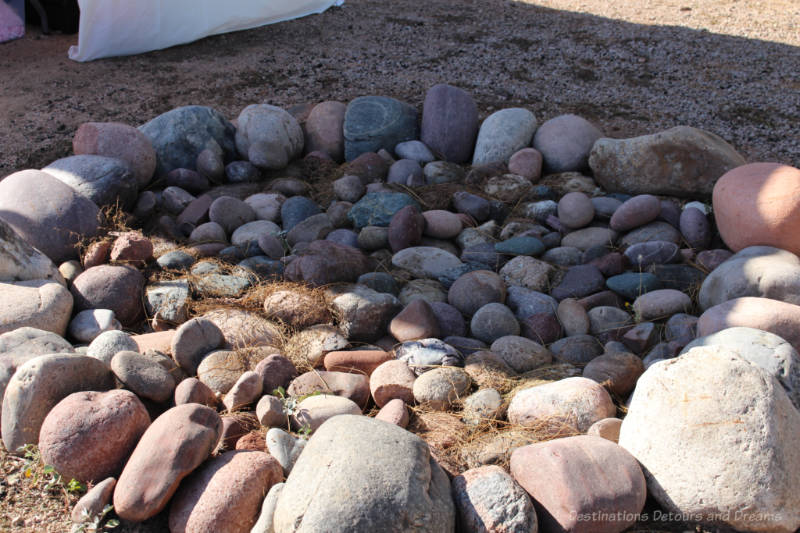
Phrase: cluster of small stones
x=557 y=250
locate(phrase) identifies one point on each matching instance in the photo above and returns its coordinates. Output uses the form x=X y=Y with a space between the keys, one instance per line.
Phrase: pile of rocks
x=422 y=282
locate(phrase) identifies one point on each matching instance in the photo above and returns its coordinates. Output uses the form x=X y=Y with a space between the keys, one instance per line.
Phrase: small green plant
x=92 y=524
x=291 y=406
x=34 y=470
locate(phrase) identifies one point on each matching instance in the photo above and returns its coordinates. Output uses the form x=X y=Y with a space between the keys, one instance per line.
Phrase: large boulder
x=19 y=261
x=106 y=181
x=48 y=213
x=114 y=139
x=38 y=385
x=681 y=161
x=268 y=136
x=767 y=350
x=40 y=304
x=179 y=135
x=780 y=318
x=174 y=445
x=449 y=123
x=225 y=493
x=758 y=204
x=391 y=485
x=713 y=408
x=581 y=484
x=372 y=123
x=761 y=271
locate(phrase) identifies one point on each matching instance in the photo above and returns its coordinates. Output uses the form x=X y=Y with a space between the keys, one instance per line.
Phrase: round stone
x=492 y=321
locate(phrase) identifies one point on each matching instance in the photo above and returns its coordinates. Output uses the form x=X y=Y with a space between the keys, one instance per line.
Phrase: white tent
x=123 y=27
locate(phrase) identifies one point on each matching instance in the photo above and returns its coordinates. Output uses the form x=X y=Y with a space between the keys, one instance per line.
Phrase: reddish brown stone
x=392 y=380
x=416 y=321
x=176 y=443
x=88 y=436
x=225 y=494
x=97 y=253
x=405 y=228
x=133 y=248
x=356 y=361
x=569 y=479
x=617 y=371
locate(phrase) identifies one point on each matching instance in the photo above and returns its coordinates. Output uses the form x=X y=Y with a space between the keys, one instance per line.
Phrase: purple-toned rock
x=225 y=494
x=442 y=224
x=94 y=501
x=470 y=204
x=492 y=321
x=449 y=123
x=475 y=289
x=234 y=427
x=586 y=238
x=48 y=213
x=520 y=353
x=451 y=321
x=349 y=188
x=565 y=142
x=188 y=180
x=121 y=141
x=695 y=228
x=635 y=212
x=488 y=499
x=405 y=172
x=325 y=262
x=543 y=328
x=579 y=281
x=114 y=287
x=38 y=385
x=230 y=213
x=583 y=484
x=369 y=166
x=642 y=255
x=174 y=445
x=526 y=163
x=192 y=390
x=406 y=228
x=661 y=303
x=208 y=232
x=276 y=371
x=88 y=436
x=323 y=129
x=654 y=231
x=709 y=260
x=133 y=248
x=618 y=371
x=577 y=349
x=574 y=403
x=575 y=210
x=643 y=336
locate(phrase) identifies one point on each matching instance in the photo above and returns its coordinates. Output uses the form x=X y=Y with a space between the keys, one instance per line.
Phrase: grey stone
x=375 y=122
x=488 y=499
x=682 y=161
x=180 y=135
x=441 y=387
x=393 y=484
x=284 y=448
x=193 y=340
x=268 y=136
x=565 y=142
x=143 y=375
x=19 y=261
x=502 y=133
x=745 y=436
x=86 y=325
x=106 y=345
x=167 y=302
x=103 y=180
x=40 y=304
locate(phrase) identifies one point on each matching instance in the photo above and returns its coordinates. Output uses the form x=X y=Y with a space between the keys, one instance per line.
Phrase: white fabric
x=123 y=27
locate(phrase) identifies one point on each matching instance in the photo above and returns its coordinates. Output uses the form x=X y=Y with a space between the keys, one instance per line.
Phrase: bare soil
x=636 y=67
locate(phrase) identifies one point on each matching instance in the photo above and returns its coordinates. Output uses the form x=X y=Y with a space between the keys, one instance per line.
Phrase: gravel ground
x=634 y=67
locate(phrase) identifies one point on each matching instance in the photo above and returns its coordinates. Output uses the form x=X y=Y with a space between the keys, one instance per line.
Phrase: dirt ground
x=727 y=66
x=731 y=67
